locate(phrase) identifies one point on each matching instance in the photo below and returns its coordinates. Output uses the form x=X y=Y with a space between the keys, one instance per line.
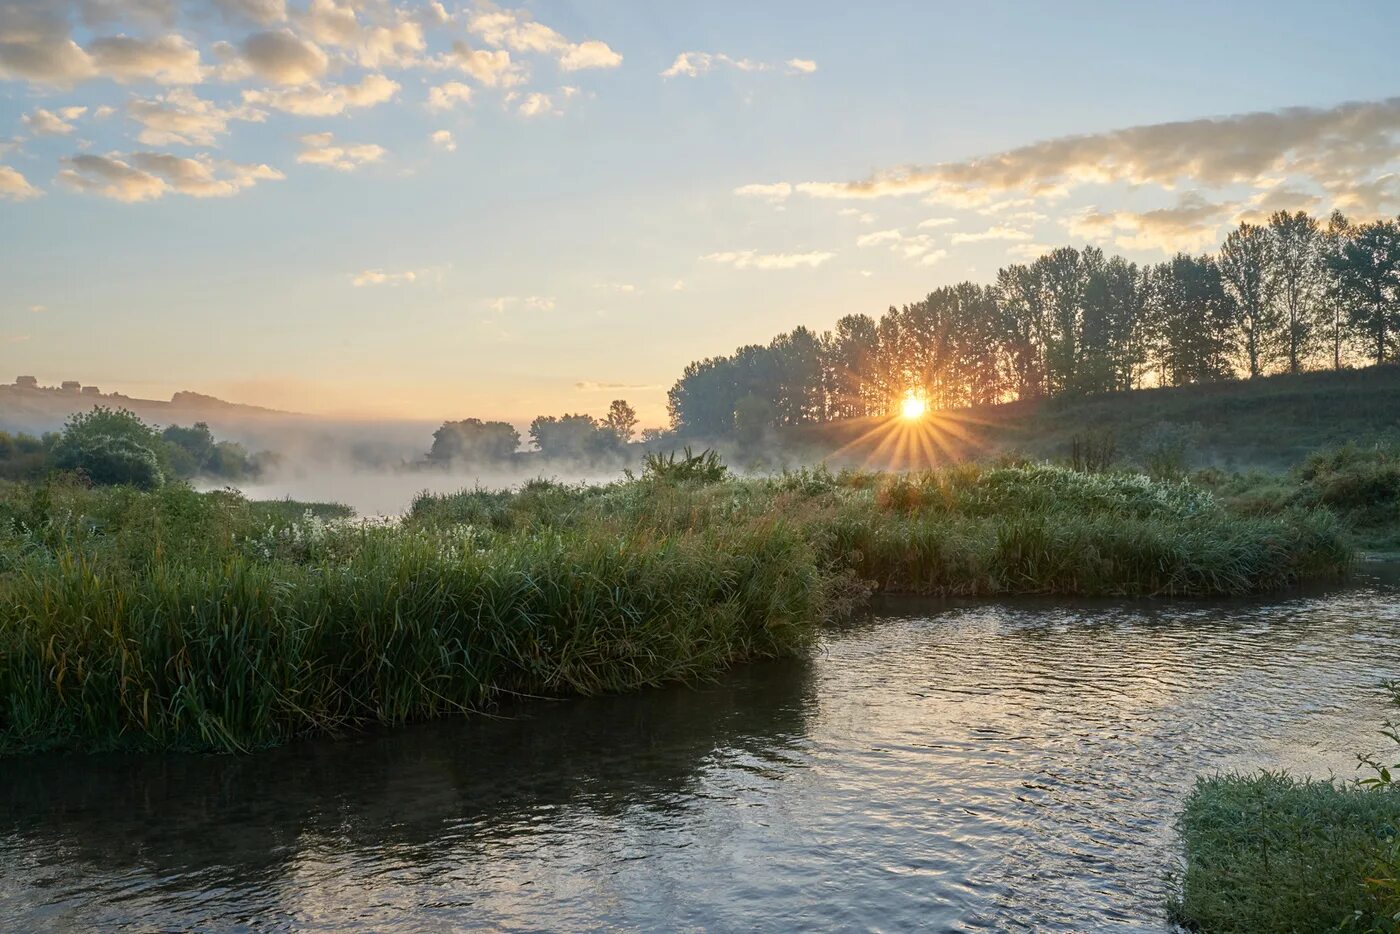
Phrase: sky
x=441 y=210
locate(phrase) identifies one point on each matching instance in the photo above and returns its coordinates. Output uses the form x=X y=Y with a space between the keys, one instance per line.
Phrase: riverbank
x=173 y=619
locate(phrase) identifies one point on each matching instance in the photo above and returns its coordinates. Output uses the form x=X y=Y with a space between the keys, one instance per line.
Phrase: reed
x=173 y=619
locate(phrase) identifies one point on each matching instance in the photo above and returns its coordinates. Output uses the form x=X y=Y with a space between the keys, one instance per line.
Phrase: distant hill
x=306 y=439
x=1272 y=421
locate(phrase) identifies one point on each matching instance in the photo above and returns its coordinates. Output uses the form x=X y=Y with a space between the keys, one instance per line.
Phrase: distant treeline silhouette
x=1291 y=294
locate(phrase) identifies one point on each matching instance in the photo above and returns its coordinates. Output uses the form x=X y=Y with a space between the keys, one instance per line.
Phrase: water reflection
x=948 y=766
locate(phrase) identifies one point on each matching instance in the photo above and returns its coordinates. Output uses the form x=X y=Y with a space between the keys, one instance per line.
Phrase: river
x=938 y=765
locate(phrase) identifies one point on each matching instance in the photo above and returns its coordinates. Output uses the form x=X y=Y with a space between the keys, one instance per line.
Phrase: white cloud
x=910 y=247
x=170 y=59
x=1193 y=223
x=933 y=256
x=936 y=222
x=512 y=29
x=448 y=95
x=262 y=12
x=777 y=191
x=694 y=64
x=143 y=176
x=1028 y=251
x=47 y=123
x=443 y=140
x=389 y=37
x=536 y=104
x=1339 y=149
x=282 y=57
x=15 y=187
x=180 y=117
x=322 y=149
x=315 y=100
x=492 y=68
x=380 y=277
x=752 y=259
x=999 y=232
x=526 y=302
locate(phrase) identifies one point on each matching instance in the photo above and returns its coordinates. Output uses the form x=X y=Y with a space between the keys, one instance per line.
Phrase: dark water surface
x=972 y=766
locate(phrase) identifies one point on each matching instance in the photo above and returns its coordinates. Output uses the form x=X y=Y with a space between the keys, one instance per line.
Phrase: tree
x=112 y=447
x=1194 y=314
x=1298 y=274
x=621 y=420
x=1247 y=270
x=579 y=437
x=473 y=440
x=1368 y=267
x=1336 y=322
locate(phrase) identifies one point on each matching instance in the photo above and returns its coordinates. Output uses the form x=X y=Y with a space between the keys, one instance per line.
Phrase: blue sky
x=399 y=208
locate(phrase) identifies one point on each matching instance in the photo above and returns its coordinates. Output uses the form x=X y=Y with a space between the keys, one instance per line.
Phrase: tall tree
x=1247 y=269
x=1195 y=314
x=1368 y=266
x=1298 y=274
x=1336 y=322
x=621 y=420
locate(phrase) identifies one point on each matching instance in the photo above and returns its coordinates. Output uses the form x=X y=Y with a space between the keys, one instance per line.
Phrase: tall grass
x=174 y=619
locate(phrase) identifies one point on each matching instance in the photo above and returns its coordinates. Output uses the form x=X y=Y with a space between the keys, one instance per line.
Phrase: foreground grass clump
x=1271 y=853
x=173 y=619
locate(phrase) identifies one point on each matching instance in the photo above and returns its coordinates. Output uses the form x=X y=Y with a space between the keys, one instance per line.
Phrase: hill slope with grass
x=1272 y=422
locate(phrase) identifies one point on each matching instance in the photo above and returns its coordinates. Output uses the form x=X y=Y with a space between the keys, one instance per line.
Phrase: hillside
x=1270 y=422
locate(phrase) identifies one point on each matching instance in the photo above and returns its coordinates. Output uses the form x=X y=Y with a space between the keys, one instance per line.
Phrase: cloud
x=936 y=222
x=1193 y=223
x=14 y=186
x=933 y=256
x=47 y=123
x=778 y=191
x=751 y=259
x=380 y=277
x=512 y=29
x=448 y=95
x=1337 y=148
x=999 y=232
x=282 y=57
x=167 y=60
x=1028 y=251
x=262 y=12
x=144 y=176
x=528 y=302
x=491 y=68
x=589 y=385
x=35 y=45
x=589 y=54
x=315 y=100
x=443 y=140
x=910 y=247
x=181 y=117
x=536 y=104
x=322 y=149
x=695 y=64
x=865 y=217
x=389 y=37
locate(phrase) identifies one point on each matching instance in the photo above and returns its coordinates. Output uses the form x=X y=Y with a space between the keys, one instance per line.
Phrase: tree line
x=114 y=446
x=576 y=437
x=1291 y=294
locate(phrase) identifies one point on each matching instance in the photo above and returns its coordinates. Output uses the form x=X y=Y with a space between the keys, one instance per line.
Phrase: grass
x=174 y=619
x=1269 y=853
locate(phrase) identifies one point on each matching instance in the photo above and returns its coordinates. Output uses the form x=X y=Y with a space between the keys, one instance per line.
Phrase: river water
x=939 y=766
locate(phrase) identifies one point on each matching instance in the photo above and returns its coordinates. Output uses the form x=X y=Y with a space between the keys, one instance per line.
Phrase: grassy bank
x=1270 y=853
x=172 y=619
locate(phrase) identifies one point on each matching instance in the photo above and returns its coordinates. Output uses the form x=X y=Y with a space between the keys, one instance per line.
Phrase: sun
x=912 y=408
